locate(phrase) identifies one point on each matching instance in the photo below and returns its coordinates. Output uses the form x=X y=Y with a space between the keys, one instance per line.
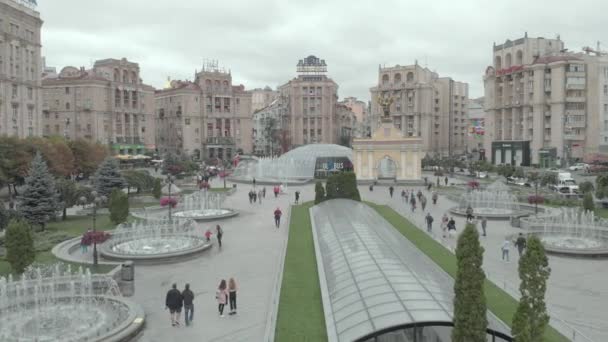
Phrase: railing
x=220 y=141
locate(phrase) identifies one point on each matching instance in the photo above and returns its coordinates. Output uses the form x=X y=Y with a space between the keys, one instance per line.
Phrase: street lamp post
x=97 y=200
x=170 y=182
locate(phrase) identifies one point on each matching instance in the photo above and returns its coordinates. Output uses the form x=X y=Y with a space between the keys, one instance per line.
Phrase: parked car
x=579 y=166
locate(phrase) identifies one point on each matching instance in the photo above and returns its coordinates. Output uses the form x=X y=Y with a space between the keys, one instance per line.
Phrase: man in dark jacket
x=188 y=298
x=521 y=244
x=173 y=302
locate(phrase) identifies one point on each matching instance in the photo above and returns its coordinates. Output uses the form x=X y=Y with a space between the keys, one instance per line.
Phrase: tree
x=588 y=204
x=140 y=180
x=156 y=191
x=548 y=178
x=108 y=177
x=531 y=318
x=270 y=133
x=20 y=251
x=69 y=194
x=87 y=155
x=342 y=185
x=470 y=321
x=505 y=170
x=319 y=193
x=16 y=158
x=39 y=199
x=58 y=154
x=586 y=187
x=119 y=206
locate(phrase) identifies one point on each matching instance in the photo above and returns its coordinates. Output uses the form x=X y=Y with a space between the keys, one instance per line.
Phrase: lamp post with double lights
x=97 y=201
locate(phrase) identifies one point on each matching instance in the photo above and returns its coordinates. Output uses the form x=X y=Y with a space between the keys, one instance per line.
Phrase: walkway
x=577 y=290
x=252 y=253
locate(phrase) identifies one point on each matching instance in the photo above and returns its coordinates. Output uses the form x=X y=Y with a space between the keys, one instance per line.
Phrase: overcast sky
x=262 y=40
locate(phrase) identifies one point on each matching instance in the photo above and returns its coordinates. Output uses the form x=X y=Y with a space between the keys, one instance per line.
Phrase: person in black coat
x=188 y=298
x=174 y=303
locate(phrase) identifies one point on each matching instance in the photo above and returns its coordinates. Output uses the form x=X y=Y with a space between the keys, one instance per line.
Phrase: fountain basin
x=518 y=210
x=560 y=243
x=154 y=249
x=72 y=318
x=206 y=214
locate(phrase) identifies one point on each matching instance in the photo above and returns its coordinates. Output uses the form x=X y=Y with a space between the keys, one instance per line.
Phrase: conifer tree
x=20 y=251
x=108 y=177
x=119 y=206
x=39 y=200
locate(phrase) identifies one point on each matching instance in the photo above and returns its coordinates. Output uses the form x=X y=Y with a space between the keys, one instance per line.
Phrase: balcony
x=576 y=99
x=576 y=124
x=575 y=86
x=574 y=136
x=220 y=141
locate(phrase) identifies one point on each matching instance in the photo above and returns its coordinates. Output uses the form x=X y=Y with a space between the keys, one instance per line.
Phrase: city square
x=160 y=190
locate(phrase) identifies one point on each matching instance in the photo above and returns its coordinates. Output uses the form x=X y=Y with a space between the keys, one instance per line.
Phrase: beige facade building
x=424 y=105
x=311 y=100
x=362 y=126
x=545 y=103
x=268 y=129
x=108 y=104
x=262 y=97
x=20 y=69
x=476 y=121
x=209 y=118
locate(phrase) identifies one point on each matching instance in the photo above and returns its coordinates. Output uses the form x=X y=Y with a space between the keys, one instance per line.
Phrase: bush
x=165 y=201
x=92 y=237
x=342 y=185
x=533 y=199
x=119 y=206
x=19 y=244
x=319 y=193
x=473 y=184
x=586 y=187
x=588 y=204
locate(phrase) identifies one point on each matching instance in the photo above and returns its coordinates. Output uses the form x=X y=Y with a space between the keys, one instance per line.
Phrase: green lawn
x=300 y=316
x=498 y=301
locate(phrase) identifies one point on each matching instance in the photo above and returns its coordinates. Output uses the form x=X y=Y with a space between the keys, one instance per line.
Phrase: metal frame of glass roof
x=373 y=279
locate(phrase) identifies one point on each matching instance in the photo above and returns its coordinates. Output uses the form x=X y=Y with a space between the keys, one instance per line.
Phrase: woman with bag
x=222 y=296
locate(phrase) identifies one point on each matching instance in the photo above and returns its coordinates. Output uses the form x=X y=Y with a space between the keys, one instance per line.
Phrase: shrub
x=473 y=184
x=19 y=244
x=588 y=204
x=586 y=187
x=119 y=206
x=165 y=201
x=91 y=237
x=319 y=193
x=534 y=199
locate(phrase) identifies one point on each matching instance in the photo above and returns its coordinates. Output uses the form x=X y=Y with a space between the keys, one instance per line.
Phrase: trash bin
x=128 y=271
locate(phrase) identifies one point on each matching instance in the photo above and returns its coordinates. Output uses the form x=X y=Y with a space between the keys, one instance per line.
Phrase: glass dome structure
x=300 y=164
x=376 y=286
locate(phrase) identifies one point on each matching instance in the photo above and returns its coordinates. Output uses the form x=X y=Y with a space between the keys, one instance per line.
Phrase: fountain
x=494 y=202
x=204 y=205
x=154 y=241
x=52 y=303
x=572 y=232
x=294 y=167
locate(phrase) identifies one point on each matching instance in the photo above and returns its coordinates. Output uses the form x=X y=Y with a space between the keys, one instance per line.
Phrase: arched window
x=508 y=60
x=410 y=77
x=385 y=79
x=116 y=75
x=225 y=84
x=217 y=84
x=124 y=76
x=519 y=57
x=397 y=78
x=498 y=63
x=134 y=77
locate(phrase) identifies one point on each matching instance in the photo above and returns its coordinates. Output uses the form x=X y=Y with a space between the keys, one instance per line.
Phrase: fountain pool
x=204 y=205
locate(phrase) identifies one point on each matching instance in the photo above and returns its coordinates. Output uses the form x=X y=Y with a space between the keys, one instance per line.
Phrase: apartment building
x=424 y=105
x=545 y=104
x=209 y=118
x=262 y=97
x=108 y=104
x=268 y=129
x=20 y=69
x=476 y=121
x=311 y=100
x=362 y=126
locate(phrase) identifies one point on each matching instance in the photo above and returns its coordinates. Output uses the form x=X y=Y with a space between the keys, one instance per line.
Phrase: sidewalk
x=576 y=289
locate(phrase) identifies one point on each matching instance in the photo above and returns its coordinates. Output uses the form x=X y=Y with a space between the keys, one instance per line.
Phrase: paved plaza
x=253 y=249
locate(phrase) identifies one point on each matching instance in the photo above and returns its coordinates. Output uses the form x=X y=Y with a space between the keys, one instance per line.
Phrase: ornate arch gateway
x=388 y=153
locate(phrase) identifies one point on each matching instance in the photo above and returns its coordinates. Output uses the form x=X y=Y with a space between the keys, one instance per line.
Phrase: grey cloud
x=261 y=41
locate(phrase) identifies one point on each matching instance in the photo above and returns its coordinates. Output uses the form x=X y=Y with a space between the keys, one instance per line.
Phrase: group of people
x=219 y=233
x=176 y=300
x=226 y=293
x=521 y=243
x=257 y=196
x=412 y=195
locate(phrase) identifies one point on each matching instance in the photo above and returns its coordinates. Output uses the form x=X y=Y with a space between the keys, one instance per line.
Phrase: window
x=30 y=93
x=187 y=122
x=67 y=90
x=67 y=106
x=30 y=113
x=15 y=91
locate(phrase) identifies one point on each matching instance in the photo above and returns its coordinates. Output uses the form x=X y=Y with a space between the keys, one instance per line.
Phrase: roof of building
x=373 y=279
x=556 y=58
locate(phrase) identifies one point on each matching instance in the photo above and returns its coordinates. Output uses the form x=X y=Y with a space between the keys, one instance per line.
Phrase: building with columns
x=545 y=104
x=209 y=118
x=424 y=105
x=108 y=104
x=20 y=69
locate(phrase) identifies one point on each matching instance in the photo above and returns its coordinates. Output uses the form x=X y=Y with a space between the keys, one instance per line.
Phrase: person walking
x=297 y=193
x=277 y=217
x=451 y=227
x=446 y=180
x=444 y=224
x=484 y=223
x=255 y=196
x=371 y=187
x=276 y=191
x=84 y=243
x=423 y=202
x=222 y=297
x=173 y=302
x=188 y=298
x=413 y=203
x=250 y=196
x=419 y=195
x=260 y=197
x=438 y=182
x=219 y=232
x=506 y=245
x=264 y=192
x=435 y=197
x=469 y=213
x=208 y=235
x=254 y=182
x=521 y=244
x=403 y=196
x=429 y=222
x=428 y=187
x=391 y=190
x=232 y=296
